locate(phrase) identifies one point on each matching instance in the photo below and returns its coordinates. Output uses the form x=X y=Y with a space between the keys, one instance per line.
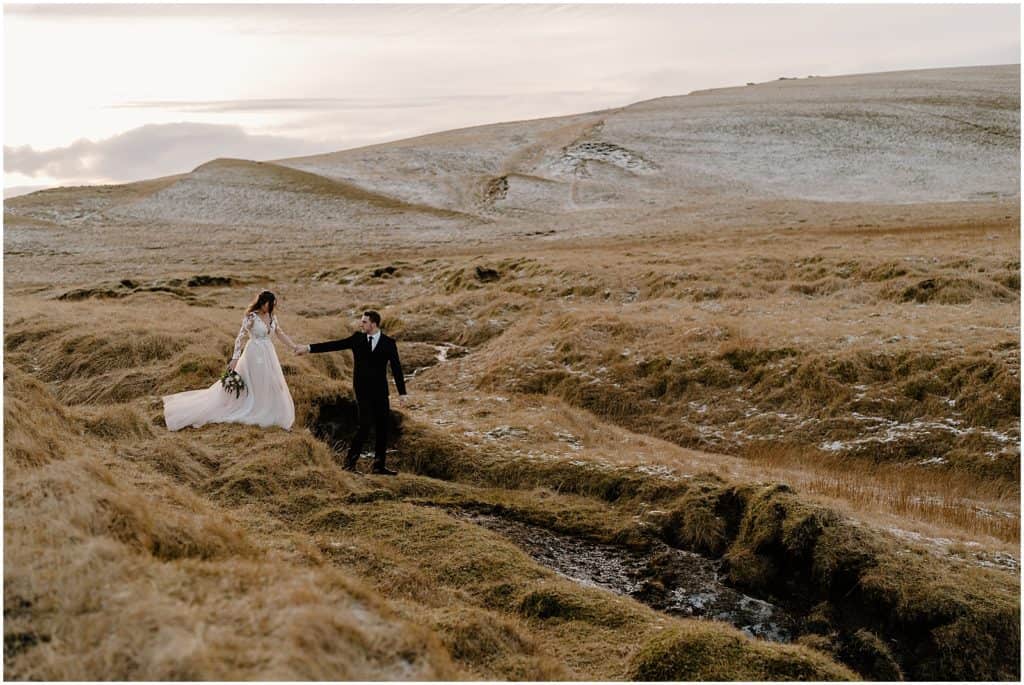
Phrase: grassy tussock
x=551 y=604
x=126 y=518
x=95 y=367
x=36 y=426
x=180 y=288
x=951 y=290
x=116 y=423
x=869 y=654
x=195 y=371
x=77 y=355
x=701 y=518
x=89 y=499
x=787 y=547
x=270 y=466
x=187 y=463
x=863 y=651
x=971 y=621
x=491 y=646
x=432 y=453
x=679 y=655
x=467 y=318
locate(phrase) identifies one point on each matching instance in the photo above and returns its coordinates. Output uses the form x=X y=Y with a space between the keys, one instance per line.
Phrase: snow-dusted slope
x=901 y=137
x=916 y=136
x=922 y=136
x=239 y=192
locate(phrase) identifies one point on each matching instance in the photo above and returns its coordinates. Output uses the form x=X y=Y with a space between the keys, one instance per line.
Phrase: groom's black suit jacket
x=370 y=375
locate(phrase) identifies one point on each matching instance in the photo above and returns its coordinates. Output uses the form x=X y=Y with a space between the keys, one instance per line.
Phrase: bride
x=265 y=400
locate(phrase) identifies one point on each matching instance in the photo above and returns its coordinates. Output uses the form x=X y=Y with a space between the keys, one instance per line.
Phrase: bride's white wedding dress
x=265 y=400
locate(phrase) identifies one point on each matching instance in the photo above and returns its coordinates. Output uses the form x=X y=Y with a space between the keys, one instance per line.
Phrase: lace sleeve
x=280 y=332
x=246 y=328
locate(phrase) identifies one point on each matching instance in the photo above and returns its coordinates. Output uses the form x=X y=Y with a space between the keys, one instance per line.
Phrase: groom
x=372 y=351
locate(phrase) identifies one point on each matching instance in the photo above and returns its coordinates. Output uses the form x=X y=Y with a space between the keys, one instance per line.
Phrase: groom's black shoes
x=383 y=471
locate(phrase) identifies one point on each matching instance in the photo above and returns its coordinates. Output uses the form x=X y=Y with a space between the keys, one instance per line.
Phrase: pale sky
x=115 y=93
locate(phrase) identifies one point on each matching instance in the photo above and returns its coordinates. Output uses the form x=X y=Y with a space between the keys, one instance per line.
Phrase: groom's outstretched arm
x=333 y=345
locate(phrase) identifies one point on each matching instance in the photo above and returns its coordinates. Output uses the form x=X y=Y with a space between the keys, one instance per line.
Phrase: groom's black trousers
x=375 y=411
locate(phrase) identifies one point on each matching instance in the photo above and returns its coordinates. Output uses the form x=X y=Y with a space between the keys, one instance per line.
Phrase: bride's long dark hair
x=263 y=298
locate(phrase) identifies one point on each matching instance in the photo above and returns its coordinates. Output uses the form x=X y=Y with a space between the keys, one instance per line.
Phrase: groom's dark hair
x=372 y=316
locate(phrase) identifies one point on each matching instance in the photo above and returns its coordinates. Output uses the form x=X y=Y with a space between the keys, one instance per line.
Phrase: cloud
x=272 y=105
x=151 y=151
x=15 y=191
x=349 y=104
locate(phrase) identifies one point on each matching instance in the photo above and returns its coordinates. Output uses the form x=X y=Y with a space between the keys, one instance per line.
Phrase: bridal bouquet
x=232 y=382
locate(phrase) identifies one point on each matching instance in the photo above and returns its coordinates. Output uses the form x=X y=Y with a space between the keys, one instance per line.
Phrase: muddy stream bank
x=670 y=580
x=667 y=579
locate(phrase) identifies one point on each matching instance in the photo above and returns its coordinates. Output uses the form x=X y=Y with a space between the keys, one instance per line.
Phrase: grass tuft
x=680 y=654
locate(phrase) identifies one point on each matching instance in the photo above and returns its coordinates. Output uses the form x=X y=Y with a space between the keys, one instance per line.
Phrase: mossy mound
x=949 y=290
x=556 y=604
x=940 y=620
x=684 y=654
x=492 y=646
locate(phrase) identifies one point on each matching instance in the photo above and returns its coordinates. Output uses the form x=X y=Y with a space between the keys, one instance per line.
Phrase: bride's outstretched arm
x=284 y=336
x=243 y=331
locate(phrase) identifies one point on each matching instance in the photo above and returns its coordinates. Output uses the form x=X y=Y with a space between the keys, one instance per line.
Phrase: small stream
x=444 y=349
x=441 y=356
x=670 y=580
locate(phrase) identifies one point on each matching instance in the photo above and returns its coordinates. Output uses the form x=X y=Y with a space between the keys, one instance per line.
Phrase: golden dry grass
x=948 y=501
x=136 y=554
x=235 y=553
x=116 y=572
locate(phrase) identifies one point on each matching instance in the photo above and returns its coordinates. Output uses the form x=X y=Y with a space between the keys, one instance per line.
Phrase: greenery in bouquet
x=232 y=382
